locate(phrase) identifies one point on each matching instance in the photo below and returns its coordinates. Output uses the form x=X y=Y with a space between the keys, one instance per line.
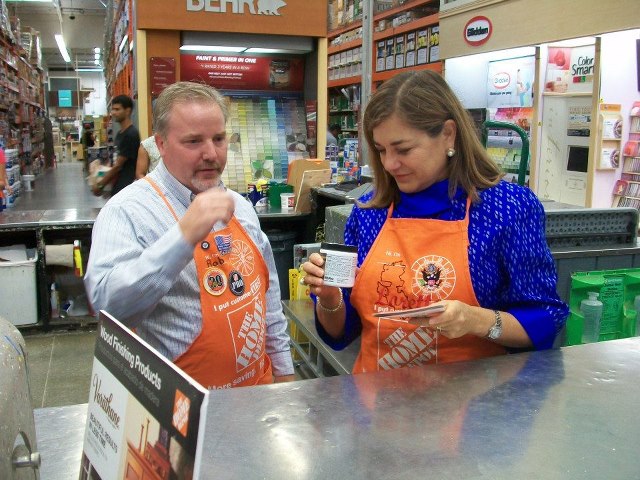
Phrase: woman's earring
x=451 y=152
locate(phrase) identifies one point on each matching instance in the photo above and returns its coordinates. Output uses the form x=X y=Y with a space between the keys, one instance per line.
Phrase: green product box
x=617 y=290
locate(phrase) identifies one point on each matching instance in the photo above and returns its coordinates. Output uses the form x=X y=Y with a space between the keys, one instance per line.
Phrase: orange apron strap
x=164 y=199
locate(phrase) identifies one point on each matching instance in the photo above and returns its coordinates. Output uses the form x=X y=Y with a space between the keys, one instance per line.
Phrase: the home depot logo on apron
x=413 y=263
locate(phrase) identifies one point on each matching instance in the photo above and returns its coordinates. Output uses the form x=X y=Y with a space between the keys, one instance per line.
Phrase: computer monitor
x=577 y=158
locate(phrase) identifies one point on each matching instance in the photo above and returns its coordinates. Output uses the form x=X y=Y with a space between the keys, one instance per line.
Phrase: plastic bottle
x=55 y=301
x=636 y=304
x=591 y=308
x=77 y=259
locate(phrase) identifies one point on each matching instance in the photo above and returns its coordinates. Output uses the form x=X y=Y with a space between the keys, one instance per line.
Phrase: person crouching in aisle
x=440 y=228
x=182 y=259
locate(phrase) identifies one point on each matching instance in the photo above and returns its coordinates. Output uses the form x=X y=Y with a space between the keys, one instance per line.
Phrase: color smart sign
x=477 y=31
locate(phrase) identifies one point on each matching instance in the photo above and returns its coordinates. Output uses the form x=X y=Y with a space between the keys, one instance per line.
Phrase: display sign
x=286 y=17
x=145 y=417
x=510 y=82
x=162 y=72
x=477 y=31
x=579 y=122
x=64 y=98
x=241 y=72
x=570 y=69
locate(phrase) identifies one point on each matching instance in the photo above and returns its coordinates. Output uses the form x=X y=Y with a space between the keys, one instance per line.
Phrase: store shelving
x=392 y=21
x=21 y=104
x=119 y=71
x=626 y=192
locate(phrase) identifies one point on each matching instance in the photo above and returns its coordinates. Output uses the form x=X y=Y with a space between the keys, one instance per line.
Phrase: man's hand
x=97 y=191
x=214 y=205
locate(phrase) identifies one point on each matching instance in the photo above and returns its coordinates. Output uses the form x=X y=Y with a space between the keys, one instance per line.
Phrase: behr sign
x=477 y=31
x=263 y=7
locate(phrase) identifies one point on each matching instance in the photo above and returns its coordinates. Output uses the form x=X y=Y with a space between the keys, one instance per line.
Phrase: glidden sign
x=477 y=31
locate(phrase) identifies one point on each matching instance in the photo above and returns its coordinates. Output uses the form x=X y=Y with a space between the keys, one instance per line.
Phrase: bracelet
x=335 y=309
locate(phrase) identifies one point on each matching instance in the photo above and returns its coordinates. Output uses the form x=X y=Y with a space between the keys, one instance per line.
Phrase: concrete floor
x=59 y=366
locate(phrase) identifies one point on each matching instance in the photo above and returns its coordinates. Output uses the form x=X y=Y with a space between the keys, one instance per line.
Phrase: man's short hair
x=185 y=92
x=125 y=100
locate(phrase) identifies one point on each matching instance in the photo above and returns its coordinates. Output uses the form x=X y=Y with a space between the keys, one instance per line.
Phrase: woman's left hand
x=456 y=320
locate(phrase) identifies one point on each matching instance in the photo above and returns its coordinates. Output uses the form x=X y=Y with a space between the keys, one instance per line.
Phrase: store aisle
x=60 y=188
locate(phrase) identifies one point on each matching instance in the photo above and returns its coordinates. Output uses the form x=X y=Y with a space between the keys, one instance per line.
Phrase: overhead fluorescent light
x=212 y=48
x=96 y=50
x=20 y=1
x=88 y=69
x=62 y=47
x=272 y=50
x=123 y=42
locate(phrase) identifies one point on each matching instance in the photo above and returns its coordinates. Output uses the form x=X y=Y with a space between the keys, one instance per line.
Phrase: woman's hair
x=424 y=101
x=184 y=92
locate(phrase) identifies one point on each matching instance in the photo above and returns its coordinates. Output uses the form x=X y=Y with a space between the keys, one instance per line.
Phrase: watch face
x=494 y=332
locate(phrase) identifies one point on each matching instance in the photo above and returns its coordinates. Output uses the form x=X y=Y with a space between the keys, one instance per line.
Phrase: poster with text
x=510 y=82
x=570 y=69
x=244 y=72
x=145 y=417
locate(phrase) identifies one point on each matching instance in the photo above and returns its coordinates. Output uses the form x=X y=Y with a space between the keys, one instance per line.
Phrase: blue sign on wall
x=64 y=98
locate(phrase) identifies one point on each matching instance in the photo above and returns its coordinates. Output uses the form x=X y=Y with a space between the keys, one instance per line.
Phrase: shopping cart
x=524 y=151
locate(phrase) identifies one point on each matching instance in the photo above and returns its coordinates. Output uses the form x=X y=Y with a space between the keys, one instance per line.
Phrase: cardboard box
x=97 y=171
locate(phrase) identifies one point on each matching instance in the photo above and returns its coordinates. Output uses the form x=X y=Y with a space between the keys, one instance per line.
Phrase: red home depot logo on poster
x=254 y=7
x=239 y=72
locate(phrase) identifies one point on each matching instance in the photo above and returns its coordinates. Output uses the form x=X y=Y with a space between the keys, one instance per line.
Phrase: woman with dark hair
x=440 y=228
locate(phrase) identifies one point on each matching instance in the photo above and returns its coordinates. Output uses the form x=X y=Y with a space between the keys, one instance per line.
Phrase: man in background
x=333 y=133
x=123 y=171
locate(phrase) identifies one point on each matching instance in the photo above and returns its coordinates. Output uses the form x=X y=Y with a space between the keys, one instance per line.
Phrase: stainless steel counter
x=31 y=219
x=559 y=414
x=60 y=433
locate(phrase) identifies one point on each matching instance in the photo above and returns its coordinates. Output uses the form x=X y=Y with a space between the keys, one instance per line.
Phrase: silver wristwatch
x=496 y=330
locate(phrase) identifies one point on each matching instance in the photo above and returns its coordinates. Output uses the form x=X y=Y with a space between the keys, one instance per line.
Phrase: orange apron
x=233 y=278
x=413 y=263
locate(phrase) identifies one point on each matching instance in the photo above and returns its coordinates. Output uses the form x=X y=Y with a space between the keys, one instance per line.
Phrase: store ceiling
x=83 y=28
